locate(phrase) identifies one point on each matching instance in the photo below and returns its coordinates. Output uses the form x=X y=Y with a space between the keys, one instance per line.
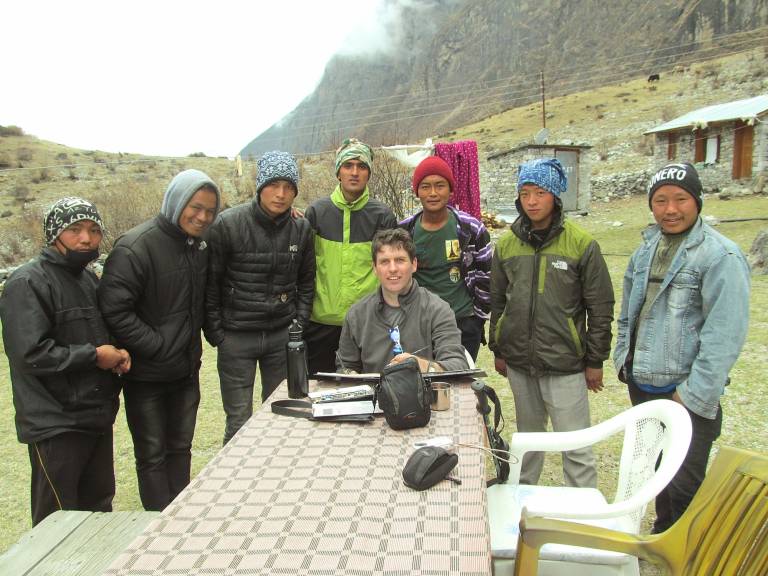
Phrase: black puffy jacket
x=51 y=328
x=152 y=295
x=262 y=271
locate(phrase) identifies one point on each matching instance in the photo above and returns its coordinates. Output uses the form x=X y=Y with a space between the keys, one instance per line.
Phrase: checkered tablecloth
x=291 y=496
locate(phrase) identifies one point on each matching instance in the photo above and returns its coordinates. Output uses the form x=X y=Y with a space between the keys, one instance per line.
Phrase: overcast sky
x=166 y=77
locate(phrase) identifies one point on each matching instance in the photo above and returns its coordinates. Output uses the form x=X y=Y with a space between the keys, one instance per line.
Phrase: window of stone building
x=712 y=150
x=671 y=145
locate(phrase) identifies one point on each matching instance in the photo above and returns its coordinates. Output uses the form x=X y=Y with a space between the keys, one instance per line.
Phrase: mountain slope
x=452 y=62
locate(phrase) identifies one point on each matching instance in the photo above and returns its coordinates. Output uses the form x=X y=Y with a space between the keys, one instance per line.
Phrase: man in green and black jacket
x=551 y=313
x=344 y=225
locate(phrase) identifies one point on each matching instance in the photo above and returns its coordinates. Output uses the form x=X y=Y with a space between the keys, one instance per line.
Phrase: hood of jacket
x=180 y=191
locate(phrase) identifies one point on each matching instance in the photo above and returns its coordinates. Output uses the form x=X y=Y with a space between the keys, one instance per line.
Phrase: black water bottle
x=296 y=356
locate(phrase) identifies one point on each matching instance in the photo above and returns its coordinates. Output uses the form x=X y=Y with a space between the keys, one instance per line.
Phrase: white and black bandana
x=64 y=213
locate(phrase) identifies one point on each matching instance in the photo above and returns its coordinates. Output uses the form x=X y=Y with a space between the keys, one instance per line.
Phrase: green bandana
x=353 y=149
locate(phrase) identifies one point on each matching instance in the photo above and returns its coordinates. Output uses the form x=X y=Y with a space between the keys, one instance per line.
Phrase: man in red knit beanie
x=453 y=250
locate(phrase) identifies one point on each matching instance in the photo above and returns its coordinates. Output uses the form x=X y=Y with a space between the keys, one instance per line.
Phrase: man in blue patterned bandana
x=261 y=278
x=551 y=312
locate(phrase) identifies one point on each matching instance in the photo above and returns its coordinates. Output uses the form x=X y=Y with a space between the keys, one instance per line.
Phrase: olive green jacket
x=552 y=307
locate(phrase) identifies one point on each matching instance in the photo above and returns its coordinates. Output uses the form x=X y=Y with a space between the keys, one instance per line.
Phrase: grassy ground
x=744 y=405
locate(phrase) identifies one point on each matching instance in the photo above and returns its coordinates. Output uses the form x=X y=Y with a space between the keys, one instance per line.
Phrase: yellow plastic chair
x=724 y=531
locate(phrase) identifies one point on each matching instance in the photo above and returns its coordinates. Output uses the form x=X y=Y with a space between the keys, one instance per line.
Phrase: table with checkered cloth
x=293 y=496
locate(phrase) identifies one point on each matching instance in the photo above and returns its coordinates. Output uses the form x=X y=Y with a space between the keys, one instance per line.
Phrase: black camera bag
x=404 y=395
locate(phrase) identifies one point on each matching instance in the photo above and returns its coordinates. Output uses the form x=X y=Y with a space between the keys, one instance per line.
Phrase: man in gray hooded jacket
x=152 y=298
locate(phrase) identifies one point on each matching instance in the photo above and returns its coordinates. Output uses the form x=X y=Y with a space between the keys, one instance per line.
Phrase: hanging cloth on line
x=410 y=154
x=462 y=158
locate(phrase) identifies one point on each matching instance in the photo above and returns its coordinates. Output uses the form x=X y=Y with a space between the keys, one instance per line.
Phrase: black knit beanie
x=682 y=175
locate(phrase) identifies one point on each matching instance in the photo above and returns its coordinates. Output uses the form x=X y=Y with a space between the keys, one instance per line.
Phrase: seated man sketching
x=400 y=319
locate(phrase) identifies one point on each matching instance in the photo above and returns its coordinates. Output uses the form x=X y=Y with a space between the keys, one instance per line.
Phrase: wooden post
x=543 y=105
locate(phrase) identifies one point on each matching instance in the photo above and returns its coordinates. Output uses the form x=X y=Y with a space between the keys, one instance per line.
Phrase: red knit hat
x=432 y=166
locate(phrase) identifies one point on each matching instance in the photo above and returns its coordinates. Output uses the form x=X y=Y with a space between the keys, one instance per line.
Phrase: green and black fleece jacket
x=343 y=237
x=551 y=307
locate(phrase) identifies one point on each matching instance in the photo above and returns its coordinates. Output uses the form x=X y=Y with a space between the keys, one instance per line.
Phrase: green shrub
x=43 y=176
x=24 y=154
x=11 y=131
x=20 y=192
x=126 y=204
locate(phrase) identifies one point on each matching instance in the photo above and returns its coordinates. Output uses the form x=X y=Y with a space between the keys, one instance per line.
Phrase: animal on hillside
x=653 y=78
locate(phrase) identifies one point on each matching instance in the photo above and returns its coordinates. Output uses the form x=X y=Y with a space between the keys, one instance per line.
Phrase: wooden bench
x=72 y=542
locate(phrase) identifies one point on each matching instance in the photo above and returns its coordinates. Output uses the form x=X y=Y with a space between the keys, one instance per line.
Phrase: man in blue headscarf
x=551 y=312
x=152 y=298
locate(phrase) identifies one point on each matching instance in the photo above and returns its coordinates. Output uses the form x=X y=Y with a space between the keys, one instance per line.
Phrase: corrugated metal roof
x=737 y=110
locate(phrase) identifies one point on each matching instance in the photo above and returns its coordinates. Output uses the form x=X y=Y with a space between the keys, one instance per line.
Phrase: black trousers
x=238 y=356
x=322 y=342
x=72 y=471
x=472 y=332
x=161 y=417
x=675 y=498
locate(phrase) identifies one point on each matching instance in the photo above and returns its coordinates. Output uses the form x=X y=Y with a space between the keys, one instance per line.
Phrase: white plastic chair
x=658 y=426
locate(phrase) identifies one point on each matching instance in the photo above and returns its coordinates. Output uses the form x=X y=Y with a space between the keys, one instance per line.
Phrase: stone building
x=727 y=142
x=498 y=178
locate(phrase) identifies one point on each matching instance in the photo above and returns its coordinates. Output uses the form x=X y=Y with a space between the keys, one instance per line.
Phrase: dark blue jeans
x=72 y=471
x=675 y=498
x=161 y=417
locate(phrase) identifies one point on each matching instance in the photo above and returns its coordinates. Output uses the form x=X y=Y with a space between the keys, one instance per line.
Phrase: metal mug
x=441 y=396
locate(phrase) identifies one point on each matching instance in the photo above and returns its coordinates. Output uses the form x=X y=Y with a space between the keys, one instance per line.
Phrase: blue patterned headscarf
x=546 y=173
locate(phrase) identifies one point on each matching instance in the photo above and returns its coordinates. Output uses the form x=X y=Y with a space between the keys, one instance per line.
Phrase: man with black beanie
x=683 y=321
x=63 y=365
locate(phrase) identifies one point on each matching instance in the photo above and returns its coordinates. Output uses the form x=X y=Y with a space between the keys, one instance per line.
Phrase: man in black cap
x=63 y=366
x=684 y=319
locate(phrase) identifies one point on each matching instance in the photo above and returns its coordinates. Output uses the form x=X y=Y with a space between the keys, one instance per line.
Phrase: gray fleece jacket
x=428 y=329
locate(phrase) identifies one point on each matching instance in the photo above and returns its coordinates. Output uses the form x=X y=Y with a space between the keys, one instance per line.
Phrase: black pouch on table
x=404 y=395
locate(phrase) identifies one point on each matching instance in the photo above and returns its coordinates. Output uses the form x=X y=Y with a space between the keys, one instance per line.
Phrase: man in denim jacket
x=683 y=321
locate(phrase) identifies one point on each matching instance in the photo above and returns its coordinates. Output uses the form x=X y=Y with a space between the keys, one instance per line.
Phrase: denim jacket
x=698 y=322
